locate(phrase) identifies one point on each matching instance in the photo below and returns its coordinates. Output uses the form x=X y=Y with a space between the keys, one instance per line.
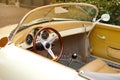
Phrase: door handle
x=101 y=36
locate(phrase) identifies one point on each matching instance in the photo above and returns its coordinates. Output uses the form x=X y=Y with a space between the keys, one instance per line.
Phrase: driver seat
x=99 y=66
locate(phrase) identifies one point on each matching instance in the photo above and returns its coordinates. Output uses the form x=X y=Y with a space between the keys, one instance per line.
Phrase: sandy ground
x=10 y=14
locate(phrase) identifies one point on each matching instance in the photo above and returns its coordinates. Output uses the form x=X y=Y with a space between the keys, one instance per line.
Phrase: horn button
x=47 y=45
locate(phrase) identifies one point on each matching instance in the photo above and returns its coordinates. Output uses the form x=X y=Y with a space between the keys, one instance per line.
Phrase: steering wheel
x=46 y=41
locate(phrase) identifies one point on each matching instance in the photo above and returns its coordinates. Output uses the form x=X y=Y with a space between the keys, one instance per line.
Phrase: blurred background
x=12 y=11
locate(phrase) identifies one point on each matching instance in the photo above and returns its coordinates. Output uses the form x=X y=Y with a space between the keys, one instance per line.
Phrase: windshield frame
x=39 y=8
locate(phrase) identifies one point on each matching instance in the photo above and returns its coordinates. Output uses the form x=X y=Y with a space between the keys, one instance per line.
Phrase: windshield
x=61 y=11
x=76 y=11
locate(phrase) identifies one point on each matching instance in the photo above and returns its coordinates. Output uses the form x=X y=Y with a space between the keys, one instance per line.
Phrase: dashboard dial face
x=29 y=39
x=45 y=34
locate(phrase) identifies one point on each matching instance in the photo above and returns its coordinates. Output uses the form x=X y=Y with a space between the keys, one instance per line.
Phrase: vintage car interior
x=65 y=39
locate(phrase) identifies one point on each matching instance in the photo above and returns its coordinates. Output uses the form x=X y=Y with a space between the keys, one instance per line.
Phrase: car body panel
x=6 y=30
x=19 y=64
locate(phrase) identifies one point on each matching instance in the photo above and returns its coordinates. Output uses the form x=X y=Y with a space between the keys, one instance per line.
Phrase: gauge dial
x=45 y=34
x=29 y=39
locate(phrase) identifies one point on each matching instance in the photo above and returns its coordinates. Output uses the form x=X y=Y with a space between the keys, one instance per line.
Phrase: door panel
x=105 y=42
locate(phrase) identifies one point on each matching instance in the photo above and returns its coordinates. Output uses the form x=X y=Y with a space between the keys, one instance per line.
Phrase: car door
x=105 y=42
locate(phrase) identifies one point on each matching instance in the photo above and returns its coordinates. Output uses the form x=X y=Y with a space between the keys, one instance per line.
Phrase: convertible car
x=64 y=41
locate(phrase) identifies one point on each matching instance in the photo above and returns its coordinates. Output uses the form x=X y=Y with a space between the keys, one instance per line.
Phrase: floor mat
x=75 y=63
x=72 y=64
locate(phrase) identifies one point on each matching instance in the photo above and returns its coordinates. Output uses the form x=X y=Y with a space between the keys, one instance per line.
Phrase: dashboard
x=24 y=38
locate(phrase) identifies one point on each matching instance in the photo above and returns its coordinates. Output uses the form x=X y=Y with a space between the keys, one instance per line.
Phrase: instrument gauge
x=45 y=34
x=29 y=39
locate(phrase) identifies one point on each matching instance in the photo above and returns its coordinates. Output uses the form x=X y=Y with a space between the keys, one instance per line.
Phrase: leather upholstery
x=99 y=66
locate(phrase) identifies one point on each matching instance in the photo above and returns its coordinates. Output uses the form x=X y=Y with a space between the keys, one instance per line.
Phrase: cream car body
x=18 y=62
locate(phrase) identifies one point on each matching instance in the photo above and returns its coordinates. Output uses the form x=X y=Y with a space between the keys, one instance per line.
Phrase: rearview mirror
x=105 y=17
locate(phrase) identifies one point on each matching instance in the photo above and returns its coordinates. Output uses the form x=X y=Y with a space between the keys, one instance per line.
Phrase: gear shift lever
x=74 y=56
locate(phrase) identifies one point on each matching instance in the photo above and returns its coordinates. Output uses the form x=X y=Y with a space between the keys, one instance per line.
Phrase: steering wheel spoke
x=51 y=54
x=52 y=38
x=39 y=39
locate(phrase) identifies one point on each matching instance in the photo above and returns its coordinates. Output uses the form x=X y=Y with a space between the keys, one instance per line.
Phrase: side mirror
x=105 y=17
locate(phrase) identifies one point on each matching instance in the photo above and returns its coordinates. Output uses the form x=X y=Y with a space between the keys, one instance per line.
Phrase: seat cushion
x=98 y=66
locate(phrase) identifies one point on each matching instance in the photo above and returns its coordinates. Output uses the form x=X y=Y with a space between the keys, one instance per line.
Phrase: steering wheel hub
x=47 y=45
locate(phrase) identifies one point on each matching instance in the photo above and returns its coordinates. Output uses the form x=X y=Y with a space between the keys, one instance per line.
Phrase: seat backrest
x=98 y=66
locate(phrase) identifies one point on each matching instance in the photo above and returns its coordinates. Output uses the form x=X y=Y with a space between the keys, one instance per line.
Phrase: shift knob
x=74 y=56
